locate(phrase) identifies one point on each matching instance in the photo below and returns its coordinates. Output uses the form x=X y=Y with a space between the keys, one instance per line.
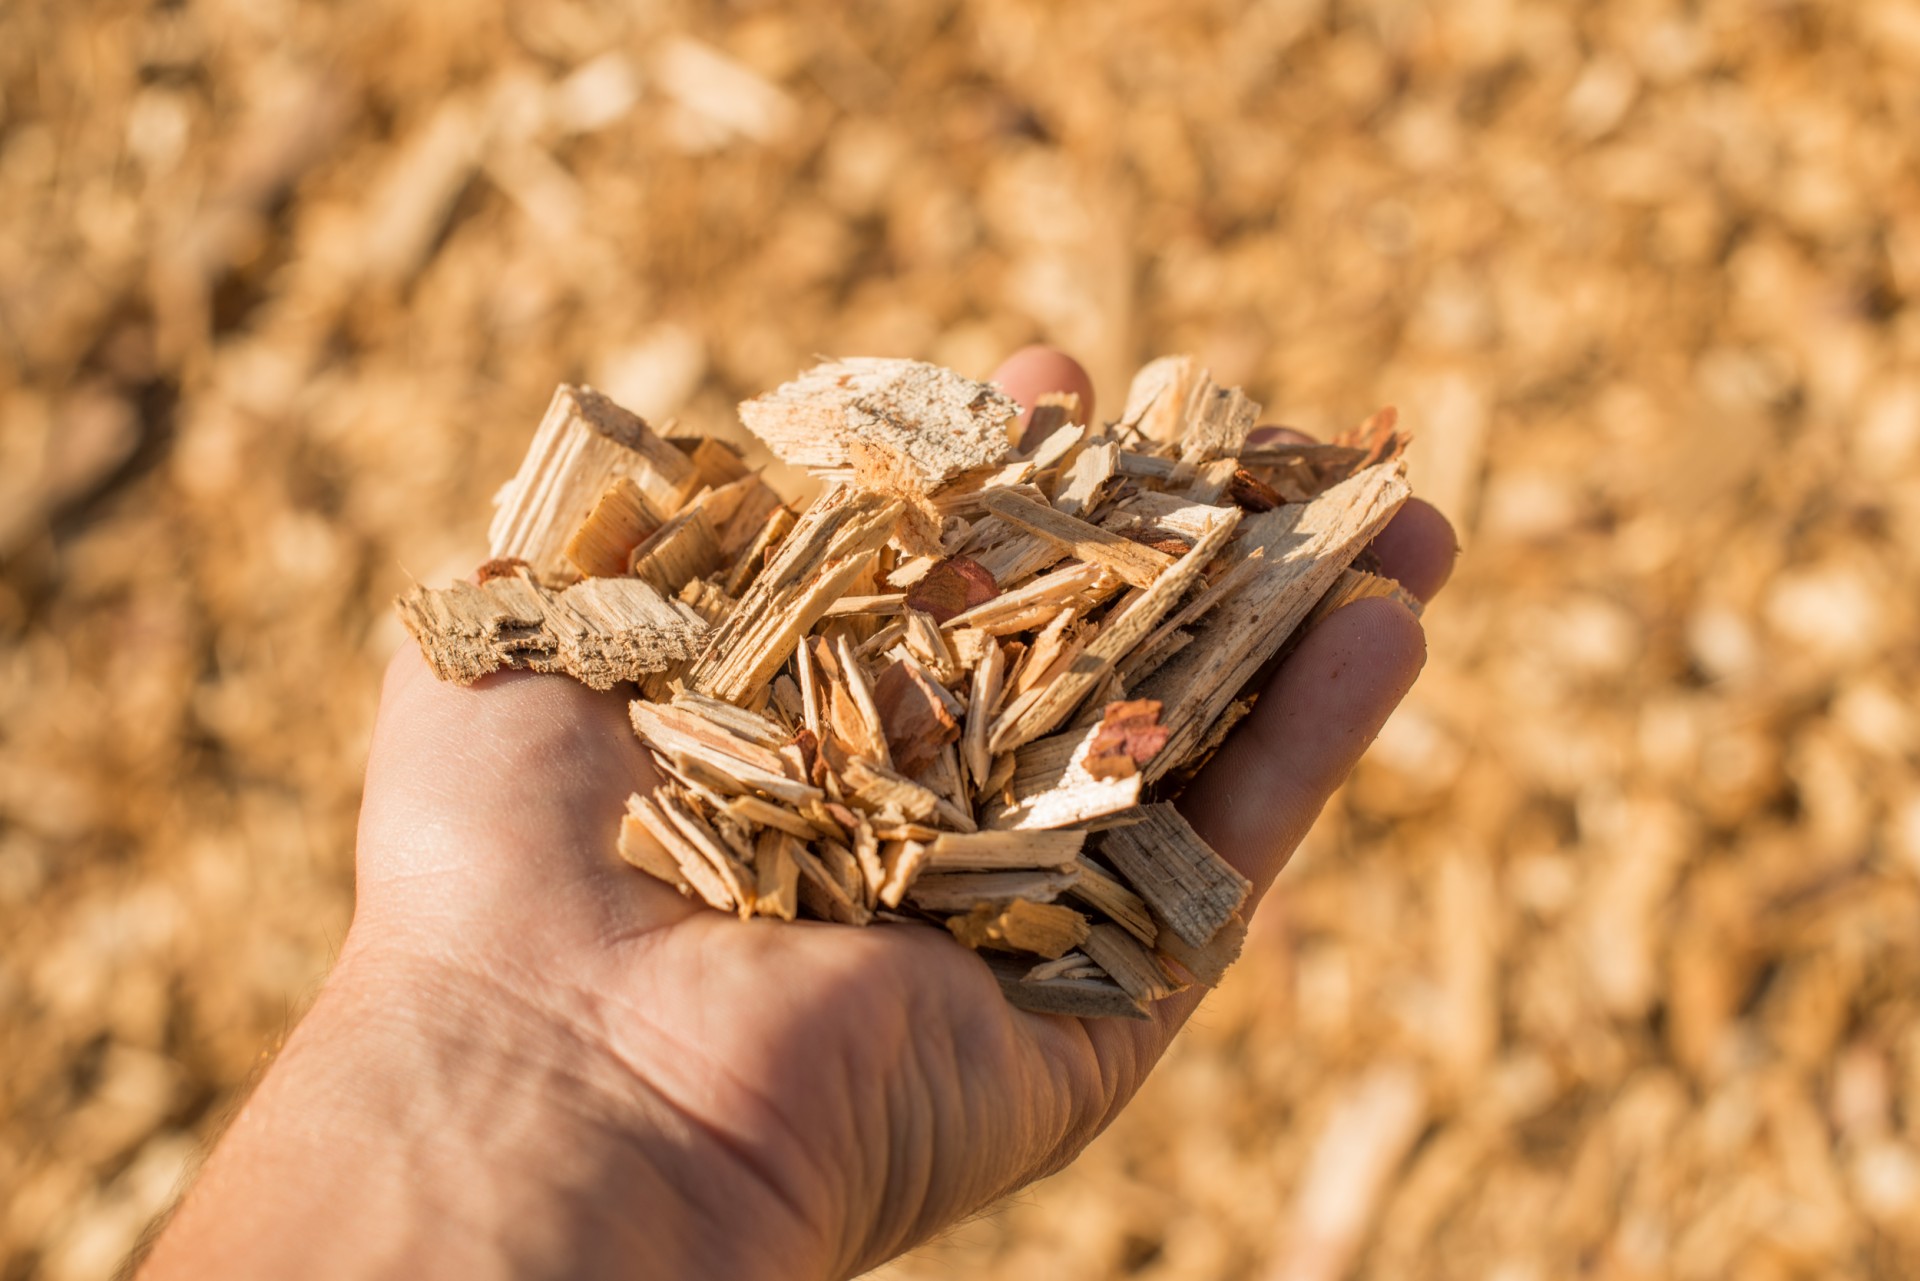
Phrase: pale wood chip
x=678 y=552
x=1008 y=850
x=601 y=630
x=1044 y=929
x=903 y=860
x=776 y=884
x=640 y=847
x=777 y=525
x=1138 y=565
x=849 y=413
x=1306 y=546
x=1192 y=888
x=829 y=548
x=963 y=891
x=1051 y=787
x=1082 y=485
x=1131 y=965
x=1104 y=893
x=619 y=521
x=582 y=445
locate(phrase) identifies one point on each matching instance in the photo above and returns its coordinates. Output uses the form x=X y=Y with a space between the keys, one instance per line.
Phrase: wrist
x=424 y=1121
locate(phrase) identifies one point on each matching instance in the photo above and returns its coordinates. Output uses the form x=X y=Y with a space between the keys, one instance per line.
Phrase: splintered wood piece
x=1076 y=998
x=1358 y=584
x=1162 y=644
x=1138 y=565
x=776 y=876
x=642 y=849
x=884 y=792
x=777 y=525
x=1070 y=584
x=916 y=716
x=963 y=891
x=829 y=548
x=1052 y=788
x=1115 y=641
x=754 y=812
x=1082 y=484
x=1074 y=965
x=903 y=860
x=878 y=606
x=1129 y=735
x=706 y=600
x=1207 y=964
x=1044 y=929
x=737 y=721
x=601 y=630
x=884 y=416
x=1052 y=412
x=1099 y=890
x=712 y=847
x=825 y=894
x=1130 y=964
x=871 y=738
x=584 y=443
x=694 y=867
x=714 y=462
x=742 y=765
x=1216 y=428
x=1306 y=545
x=952 y=587
x=678 y=552
x=1192 y=888
x=619 y=522
x=981 y=699
x=1010 y=850
x=1174 y=401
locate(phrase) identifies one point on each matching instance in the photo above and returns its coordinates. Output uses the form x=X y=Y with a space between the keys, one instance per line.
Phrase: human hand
x=532 y=1060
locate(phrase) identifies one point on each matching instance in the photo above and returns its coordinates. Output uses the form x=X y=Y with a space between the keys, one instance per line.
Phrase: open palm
x=532 y=1060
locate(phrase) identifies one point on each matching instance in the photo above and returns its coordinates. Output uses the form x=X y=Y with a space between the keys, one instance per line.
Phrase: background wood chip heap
x=1604 y=963
x=940 y=692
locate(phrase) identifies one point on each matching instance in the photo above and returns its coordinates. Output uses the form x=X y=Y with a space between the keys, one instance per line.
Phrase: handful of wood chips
x=960 y=686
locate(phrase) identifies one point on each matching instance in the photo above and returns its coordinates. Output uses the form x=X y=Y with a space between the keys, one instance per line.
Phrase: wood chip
x=981 y=850
x=1129 y=963
x=885 y=416
x=1305 y=546
x=1044 y=929
x=1141 y=566
x=619 y=522
x=583 y=444
x=1192 y=888
x=952 y=587
x=827 y=550
x=1076 y=998
x=601 y=631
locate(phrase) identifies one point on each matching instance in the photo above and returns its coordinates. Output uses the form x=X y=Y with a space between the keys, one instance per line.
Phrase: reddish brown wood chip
x=1161 y=540
x=499 y=567
x=916 y=720
x=1129 y=735
x=1249 y=493
x=952 y=587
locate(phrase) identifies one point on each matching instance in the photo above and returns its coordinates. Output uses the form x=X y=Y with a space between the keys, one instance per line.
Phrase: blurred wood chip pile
x=1603 y=965
x=939 y=693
